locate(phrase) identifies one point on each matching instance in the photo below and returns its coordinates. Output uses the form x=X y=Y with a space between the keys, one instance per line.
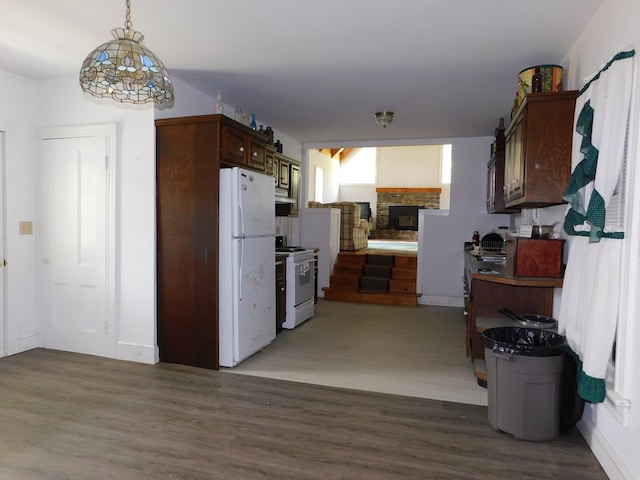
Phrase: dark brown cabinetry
x=283 y=167
x=241 y=146
x=486 y=294
x=187 y=177
x=189 y=154
x=281 y=291
x=495 y=176
x=538 y=150
x=294 y=186
x=287 y=178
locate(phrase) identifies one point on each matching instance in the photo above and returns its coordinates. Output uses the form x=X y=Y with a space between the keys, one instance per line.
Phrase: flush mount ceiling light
x=125 y=70
x=384 y=118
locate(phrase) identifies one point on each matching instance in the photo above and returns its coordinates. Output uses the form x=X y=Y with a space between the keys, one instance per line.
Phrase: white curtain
x=590 y=295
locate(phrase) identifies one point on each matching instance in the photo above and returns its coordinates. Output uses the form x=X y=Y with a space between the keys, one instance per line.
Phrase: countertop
x=492 y=271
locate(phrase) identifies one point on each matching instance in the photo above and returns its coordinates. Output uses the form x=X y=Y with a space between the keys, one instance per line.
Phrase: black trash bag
x=530 y=342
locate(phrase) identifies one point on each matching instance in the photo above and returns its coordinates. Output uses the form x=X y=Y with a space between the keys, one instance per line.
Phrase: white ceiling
x=318 y=70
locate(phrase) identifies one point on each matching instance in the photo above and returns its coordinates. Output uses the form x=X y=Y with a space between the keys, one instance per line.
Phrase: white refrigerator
x=247 y=319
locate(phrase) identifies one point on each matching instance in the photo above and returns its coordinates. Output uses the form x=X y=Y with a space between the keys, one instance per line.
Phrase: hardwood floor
x=70 y=416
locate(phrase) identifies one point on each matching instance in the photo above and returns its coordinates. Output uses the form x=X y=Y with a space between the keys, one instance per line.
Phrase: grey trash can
x=524 y=380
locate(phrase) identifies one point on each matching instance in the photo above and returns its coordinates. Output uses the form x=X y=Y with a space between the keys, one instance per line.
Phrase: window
x=446 y=164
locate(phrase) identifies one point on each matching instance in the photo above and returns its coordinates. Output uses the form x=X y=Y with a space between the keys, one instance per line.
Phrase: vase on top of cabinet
x=538 y=150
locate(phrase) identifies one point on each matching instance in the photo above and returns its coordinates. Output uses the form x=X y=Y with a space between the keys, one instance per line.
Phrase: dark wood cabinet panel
x=283 y=172
x=281 y=291
x=187 y=174
x=294 y=187
x=538 y=150
x=241 y=146
x=487 y=294
x=495 y=176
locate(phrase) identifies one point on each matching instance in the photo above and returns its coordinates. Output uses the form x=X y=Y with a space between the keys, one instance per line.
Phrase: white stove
x=300 y=284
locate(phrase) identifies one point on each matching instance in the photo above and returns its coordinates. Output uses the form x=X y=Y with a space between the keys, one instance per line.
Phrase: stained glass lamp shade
x=125 y=70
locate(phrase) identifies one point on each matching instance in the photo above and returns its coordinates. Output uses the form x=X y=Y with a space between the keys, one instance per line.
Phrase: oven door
x=304 y=280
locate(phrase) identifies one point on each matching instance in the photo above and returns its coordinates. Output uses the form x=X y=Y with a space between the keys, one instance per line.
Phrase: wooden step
x=344 y=283
x=373 y=285
x=409 y=262
x=350 y=259
x=341 y=270
x=406 y=273
x=376 y=271
x=407 y=300
x=365 y=279
x=402 y=286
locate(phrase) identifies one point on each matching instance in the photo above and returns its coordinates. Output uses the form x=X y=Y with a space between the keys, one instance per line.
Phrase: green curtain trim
x=593 y=390
x=616 y=57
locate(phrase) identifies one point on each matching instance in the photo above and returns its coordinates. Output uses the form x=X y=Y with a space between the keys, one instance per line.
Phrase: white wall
x=421 y=166
x=135 y=314
x=18 y=117
x=614 y=28
x=443 y=236
x=331 y=173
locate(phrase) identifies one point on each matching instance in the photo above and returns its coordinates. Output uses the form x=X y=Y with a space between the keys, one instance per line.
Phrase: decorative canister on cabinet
x=550 y=81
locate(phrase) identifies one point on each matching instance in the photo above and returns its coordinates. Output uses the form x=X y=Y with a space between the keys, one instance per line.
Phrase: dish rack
x=492 y=243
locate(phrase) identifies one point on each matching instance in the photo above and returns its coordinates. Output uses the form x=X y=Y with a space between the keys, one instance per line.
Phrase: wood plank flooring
x=71 y=416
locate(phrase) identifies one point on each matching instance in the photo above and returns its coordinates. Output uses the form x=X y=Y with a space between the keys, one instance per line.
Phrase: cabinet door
x=294 y=186
x=514 y=163
x=257 y=155
x=269 y=163
x=232 y=148
x=491 y=187
x=283 y=173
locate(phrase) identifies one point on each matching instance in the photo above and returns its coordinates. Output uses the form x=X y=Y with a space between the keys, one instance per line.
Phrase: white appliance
x=247 y=269
x=301 y=288
x=320 y=228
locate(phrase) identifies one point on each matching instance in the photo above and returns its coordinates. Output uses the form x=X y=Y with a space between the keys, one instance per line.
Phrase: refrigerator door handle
x=240 y=221
x=240 y=262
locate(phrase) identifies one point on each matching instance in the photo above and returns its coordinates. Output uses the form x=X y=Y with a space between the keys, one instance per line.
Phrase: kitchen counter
x=496 y=272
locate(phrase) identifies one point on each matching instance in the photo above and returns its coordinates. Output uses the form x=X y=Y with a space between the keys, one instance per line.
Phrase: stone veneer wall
x=427 y=197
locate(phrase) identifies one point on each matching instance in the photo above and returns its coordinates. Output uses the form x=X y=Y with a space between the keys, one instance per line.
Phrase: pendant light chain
x=127 y=23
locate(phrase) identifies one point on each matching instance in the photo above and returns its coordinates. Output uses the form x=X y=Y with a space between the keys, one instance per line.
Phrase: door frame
x=108 y=131
x=4 y=319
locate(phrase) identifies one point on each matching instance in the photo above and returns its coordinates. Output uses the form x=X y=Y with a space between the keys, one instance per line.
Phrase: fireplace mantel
x=408 y=190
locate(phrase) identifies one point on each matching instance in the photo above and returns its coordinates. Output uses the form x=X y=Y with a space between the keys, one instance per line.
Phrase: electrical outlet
x=26 y=228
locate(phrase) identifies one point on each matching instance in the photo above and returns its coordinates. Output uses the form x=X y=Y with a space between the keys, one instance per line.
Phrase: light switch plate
x=26 y=228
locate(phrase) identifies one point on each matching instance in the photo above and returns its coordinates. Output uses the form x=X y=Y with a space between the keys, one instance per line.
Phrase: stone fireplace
x=401 y=221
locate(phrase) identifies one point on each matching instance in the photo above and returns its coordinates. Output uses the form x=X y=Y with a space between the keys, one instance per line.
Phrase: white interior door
x=75 y=287
x=3 y=325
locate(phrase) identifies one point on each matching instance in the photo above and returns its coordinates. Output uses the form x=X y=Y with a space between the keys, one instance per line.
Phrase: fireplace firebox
x=404 y=217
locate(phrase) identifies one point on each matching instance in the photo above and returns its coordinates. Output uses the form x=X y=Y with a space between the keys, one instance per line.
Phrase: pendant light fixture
x=125 y=70
x=384 y=118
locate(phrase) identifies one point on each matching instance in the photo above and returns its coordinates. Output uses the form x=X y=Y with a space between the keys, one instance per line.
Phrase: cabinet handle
x=255 y=154
x=241 y=149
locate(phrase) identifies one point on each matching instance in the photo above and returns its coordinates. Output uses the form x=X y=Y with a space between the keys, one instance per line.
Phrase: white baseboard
x=604 y=453
x=441 y=301
x=137 y=353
